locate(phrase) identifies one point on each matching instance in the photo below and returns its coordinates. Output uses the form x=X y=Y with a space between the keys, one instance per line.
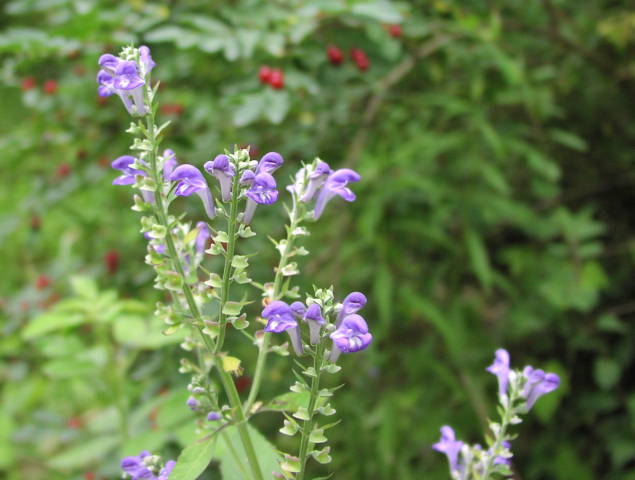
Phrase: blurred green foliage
x=495 y=143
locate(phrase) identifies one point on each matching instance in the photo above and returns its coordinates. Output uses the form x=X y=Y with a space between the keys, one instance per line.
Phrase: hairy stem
x=226 y=380
x=229 y=257
x=275 y=295
x=307 y=428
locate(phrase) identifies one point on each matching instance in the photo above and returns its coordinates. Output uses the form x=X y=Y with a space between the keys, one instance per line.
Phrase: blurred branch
x=389 y=81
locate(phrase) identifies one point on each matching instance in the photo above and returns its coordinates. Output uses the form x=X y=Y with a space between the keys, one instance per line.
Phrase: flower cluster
x=126 y=76
x=146 y=466
x=349 y=333
x=517 y=392
x=204 y=309
x=318 y=181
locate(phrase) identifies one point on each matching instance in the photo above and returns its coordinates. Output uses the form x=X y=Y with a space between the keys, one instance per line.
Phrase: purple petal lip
x=269 y=162
x=298 y=309
x=500 y=368
x=263 y=190
x=247 y=177
x=279 y=317
x=190 y=180
x=146 y=58
x=344 y=175
x=314 y=313
x=127 y=76
x=352 y=335
x=353 y=302
x=220 y=164
x=109 y=61
x=322 y=169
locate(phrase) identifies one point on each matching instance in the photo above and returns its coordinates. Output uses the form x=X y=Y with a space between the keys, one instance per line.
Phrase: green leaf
x=194 y=459
x=232 y=308
x=86 y=452
x=479 y=258
x=606 y=372
x=382 y=11
x=50 y=322
x=84 y=286
x=229 y=447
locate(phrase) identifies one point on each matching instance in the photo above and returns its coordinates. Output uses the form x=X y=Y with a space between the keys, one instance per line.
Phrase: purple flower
x=500 y=368
x=146 y=59
x=298 y=309
x=193 y=403
x=263 y=190
x=190 y=180
x=269 y=163
x=450 y=446
x=165 y=472
x=353 y=303
x=202 y=237
x=108 y=62
x=160 y=249
x=127 y=76
x=351 y=336
x=213 y=416
x=169 y=163
x=316 y=179
x=122 y=77
x=224 y=171
x=280 y=318
x=124 y=164
x=538 y=383
x=499 y=459
x=336 y=185
x=313 y=316
x=247 y=178
x=136 y=467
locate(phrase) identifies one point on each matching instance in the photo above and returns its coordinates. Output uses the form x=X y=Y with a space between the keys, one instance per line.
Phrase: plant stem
x=499 y=438
x=228 y=384
x=229 y=257
x=276 y=294
x=307 y=428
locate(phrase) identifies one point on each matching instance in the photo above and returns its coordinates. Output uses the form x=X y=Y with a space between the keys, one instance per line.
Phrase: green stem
x=508 y=414
x=276 y=294
x=229 y=257
x=307 y=428
x=228 y=384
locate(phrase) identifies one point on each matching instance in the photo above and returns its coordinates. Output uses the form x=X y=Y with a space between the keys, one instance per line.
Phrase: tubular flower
x=500 y=368
x=224 y=171
x=313 y=316
x=280 y=318
x=336 y=184
x=450 y=446
x=126 y=78
x=190 y=180
x=538 y=383
x=263 y=190
x=316 y=179
x=353 y=303
x=169 y=163
x=269 y=163
x=124 y=164
x=351 y=336
x=202 y=237
x=144 y=466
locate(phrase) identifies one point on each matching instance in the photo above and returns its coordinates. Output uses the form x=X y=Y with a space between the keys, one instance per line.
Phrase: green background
x=495 y=143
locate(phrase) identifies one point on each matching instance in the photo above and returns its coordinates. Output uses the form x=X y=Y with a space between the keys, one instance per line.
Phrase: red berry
x=111 y=259
x=394 y=30
x=360 y=58
x=172 y=109
x=50 y=87
x=264 y=74
x=242 y=383
x=63 y=170
x=28 y=83
x=335 y=54
x=75 y=423
x=36 y=222
x=277 y=79
x=42 y=282
x=90 y=476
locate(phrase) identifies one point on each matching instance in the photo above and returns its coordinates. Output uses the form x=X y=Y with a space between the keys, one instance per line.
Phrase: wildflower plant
x=517 y=393
x=204 y=302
